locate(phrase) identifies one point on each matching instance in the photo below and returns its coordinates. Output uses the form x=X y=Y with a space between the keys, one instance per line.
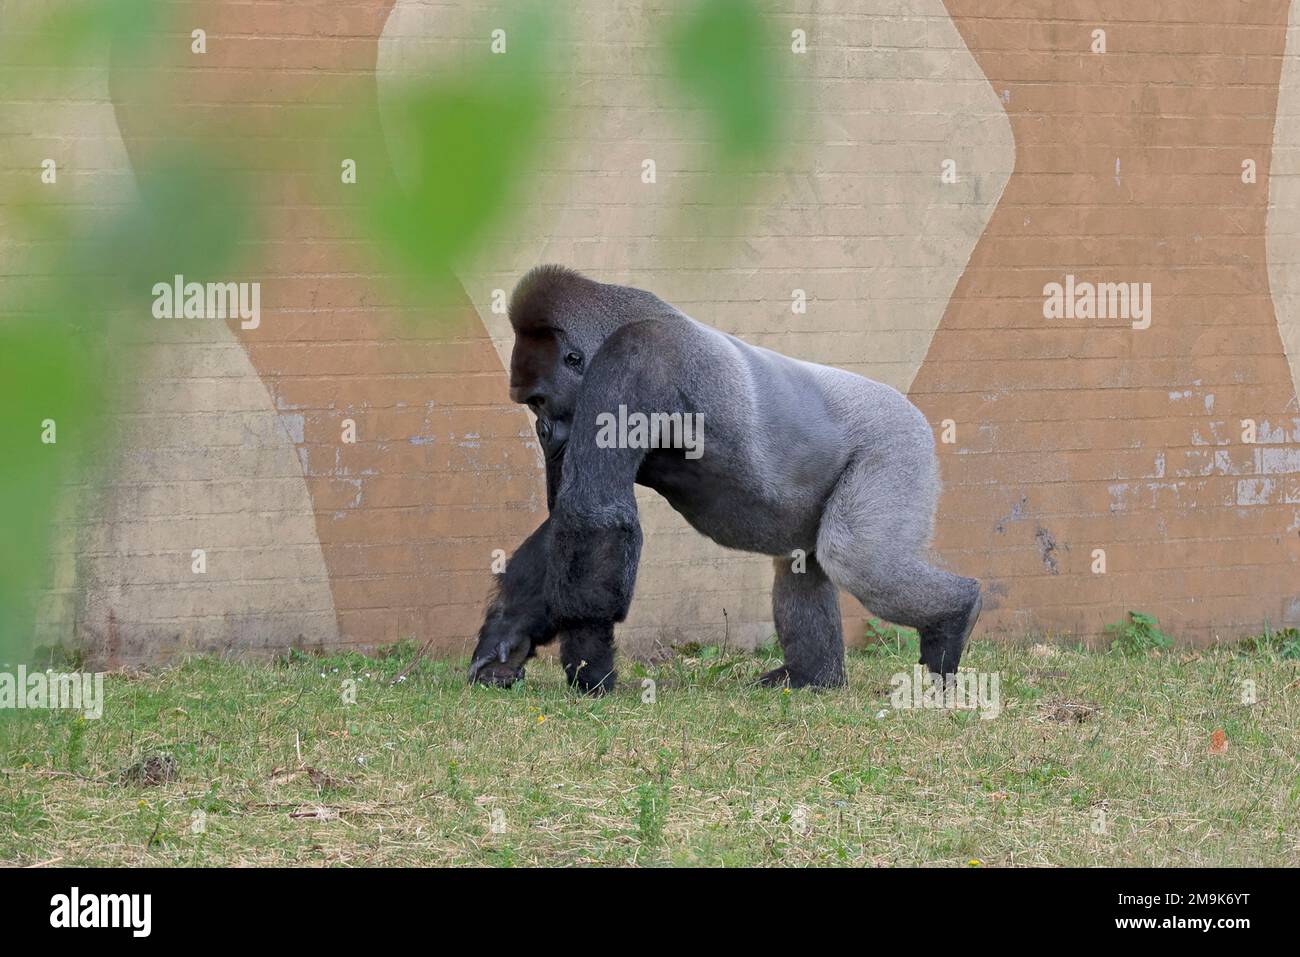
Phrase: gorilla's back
x=778 y=433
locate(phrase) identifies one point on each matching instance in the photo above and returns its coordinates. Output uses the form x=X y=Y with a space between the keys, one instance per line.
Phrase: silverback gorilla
x=798 y=459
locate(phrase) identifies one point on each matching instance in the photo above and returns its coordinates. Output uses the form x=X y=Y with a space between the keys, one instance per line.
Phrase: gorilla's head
x=560 y=318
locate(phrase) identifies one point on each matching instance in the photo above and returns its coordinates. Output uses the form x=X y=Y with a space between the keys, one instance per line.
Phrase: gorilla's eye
x=573 y=360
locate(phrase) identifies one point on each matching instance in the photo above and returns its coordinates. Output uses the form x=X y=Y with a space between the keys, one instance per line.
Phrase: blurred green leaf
x=473 y=139
x=722 y=56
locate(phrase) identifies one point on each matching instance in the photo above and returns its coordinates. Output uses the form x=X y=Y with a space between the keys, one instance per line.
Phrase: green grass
x=222 y=762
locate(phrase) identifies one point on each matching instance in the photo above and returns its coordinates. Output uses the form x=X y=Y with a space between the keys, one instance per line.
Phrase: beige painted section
x=1284 y=202
x=854 y=213
x=204 y=461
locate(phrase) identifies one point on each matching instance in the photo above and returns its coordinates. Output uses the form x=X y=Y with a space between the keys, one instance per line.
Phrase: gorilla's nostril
x=537 y=402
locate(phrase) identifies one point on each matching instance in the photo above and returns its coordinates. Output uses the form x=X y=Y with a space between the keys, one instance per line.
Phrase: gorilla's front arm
x=596 y=532
x=575 y=575
x=517 y=620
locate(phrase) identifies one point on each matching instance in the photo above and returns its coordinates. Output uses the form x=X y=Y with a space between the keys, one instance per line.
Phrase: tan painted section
x=853 y=212
x=1083 y=434
x=186 y=477
x=1284 y=202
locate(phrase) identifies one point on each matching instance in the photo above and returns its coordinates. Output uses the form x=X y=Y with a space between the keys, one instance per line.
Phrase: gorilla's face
x=546 y=368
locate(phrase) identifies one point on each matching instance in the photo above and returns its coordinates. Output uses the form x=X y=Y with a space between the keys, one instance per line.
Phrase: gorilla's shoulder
x=657 y=349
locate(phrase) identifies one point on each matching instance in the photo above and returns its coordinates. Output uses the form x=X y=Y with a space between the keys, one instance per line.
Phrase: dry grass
x=271 y=766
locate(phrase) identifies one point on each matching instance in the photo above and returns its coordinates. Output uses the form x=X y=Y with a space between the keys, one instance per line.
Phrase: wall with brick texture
x=1069 y=435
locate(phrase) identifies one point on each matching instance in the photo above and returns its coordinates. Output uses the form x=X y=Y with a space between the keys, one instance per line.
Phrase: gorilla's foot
x=585 y=680
x=783 y=678
x=942 y=643
x=587 y=653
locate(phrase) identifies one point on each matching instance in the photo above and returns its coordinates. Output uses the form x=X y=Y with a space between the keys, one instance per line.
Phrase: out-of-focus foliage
x=74 y=289
x=57 y=36
x=723 y=58
x=472 y=138
x=729 y=66
x=64 y=337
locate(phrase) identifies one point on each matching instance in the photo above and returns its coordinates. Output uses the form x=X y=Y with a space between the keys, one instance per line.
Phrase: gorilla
x=830 y=473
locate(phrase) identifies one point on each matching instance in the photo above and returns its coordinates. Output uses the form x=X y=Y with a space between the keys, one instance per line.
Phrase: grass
x=219 y=762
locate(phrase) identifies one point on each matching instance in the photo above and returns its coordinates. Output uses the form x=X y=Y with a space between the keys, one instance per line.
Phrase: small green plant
x=704 y=665
x=650 y=814
x=1138 y=636
x=453 y=778
x=784 y=703
x=652 y=802
x=76 y=747
x=890 y=641
x=1284 y=643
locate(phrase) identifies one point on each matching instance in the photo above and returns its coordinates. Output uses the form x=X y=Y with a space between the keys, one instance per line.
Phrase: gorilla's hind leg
x=942 y=607
x=872 y=541
x=806 y=609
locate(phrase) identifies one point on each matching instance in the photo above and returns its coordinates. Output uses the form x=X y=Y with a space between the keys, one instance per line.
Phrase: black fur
x=806 y=611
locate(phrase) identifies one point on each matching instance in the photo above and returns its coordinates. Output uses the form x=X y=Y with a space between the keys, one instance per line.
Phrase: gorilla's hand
x=553 y=434
x=502 y=649
x=516 y=621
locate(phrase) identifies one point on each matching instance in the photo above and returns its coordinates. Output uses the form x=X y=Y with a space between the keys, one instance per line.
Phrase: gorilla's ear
x=545 y=293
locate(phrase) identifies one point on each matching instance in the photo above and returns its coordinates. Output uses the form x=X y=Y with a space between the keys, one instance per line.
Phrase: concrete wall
x=1069 y=435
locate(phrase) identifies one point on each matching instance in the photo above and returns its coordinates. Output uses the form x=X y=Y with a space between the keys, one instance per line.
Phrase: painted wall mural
x=1067 y=236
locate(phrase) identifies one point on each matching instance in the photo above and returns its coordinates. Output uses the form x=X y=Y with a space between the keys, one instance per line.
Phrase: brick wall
x=1091 y=439
x=1069 y=435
